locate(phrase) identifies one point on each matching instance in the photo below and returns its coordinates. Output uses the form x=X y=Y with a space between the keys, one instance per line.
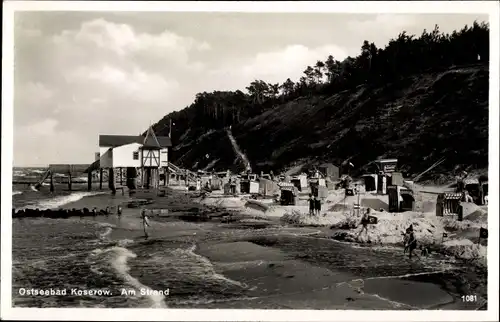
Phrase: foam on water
x=117 y=258
x=15 y=192
x=18 y=173
x=56 y=202
x=185 y=262
x=105 y=233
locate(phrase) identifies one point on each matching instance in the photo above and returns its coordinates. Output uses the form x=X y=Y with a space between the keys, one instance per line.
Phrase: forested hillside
x=418 y=99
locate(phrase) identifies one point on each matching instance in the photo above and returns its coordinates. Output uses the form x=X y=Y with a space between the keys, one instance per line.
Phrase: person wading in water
x=119 y=212
x=145 y=222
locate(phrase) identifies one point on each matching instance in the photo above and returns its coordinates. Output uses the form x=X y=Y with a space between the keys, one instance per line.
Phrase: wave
x=116 y=257
x=105 y=233
x=18 y=173
x=36 y=171
x=204 y=268
x=58 y=201
x=15 y=192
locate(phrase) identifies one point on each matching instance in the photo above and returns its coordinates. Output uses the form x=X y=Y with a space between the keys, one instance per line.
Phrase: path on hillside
x=237 y=149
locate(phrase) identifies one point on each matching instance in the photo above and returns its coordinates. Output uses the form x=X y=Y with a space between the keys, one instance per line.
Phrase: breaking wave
x=56 y=202
x=116 y=258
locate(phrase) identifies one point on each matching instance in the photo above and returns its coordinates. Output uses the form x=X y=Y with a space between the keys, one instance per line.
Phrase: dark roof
x=118 y=140
x=150 y=140
x=325 y=165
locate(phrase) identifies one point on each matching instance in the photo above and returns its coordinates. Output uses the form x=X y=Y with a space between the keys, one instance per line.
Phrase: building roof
x=150 y=140
x=119 y=140
x=327 y=164
x=386 y=160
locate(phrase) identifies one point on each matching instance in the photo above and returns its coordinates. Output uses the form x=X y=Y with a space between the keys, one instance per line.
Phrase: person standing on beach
x=145 y=222
x=412 y=243
x=94 y=212
x=317 y=205
x=364 y=222
x=232 y=184
x=311 y=204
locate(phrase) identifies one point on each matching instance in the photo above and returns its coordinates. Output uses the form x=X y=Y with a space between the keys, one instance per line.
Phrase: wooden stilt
x=148 y=177
x=89 y=181
x=142 y=177
x=121 y=176
x=100 y=178
x=51 y=182
x=111 y=180
x=167 y=176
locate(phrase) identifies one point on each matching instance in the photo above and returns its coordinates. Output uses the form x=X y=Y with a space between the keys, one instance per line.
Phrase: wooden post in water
x=100 y=178
x=89 y=180
x=51 y=182
x=167 y=175
x=148 y=177
x=121 y=176
x=69 y=181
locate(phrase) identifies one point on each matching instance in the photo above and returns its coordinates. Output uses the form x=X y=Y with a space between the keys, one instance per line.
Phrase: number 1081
x=469 y=298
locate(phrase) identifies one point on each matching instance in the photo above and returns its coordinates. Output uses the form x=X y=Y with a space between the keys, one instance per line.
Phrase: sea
x=188 y=263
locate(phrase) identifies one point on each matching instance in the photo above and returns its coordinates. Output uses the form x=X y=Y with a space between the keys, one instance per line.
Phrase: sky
x=81 y=74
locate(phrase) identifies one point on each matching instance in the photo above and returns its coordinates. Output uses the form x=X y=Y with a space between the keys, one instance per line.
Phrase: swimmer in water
x=145 y=222
x=119 y=212
x=94 y=212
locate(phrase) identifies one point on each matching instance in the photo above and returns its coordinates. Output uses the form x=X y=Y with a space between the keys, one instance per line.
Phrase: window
x=136 y=155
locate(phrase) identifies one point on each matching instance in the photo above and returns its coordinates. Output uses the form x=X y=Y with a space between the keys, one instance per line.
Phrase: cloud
x=43 y=143
x=276 y=66
x=391 y=24
x=102 y=77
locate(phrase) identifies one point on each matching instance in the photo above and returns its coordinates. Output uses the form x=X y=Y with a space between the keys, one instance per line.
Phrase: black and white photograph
x=259 y=159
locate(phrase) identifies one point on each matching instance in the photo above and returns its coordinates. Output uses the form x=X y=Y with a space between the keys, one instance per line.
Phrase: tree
x=318 y=70
x=257 y=91
x=309 y=75
x=274 y=90
x=287 y=87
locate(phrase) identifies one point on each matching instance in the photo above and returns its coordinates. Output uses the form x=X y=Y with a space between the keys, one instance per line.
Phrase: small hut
x=329 y=170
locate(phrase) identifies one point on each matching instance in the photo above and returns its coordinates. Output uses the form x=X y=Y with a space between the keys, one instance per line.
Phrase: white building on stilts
x=142 y=156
